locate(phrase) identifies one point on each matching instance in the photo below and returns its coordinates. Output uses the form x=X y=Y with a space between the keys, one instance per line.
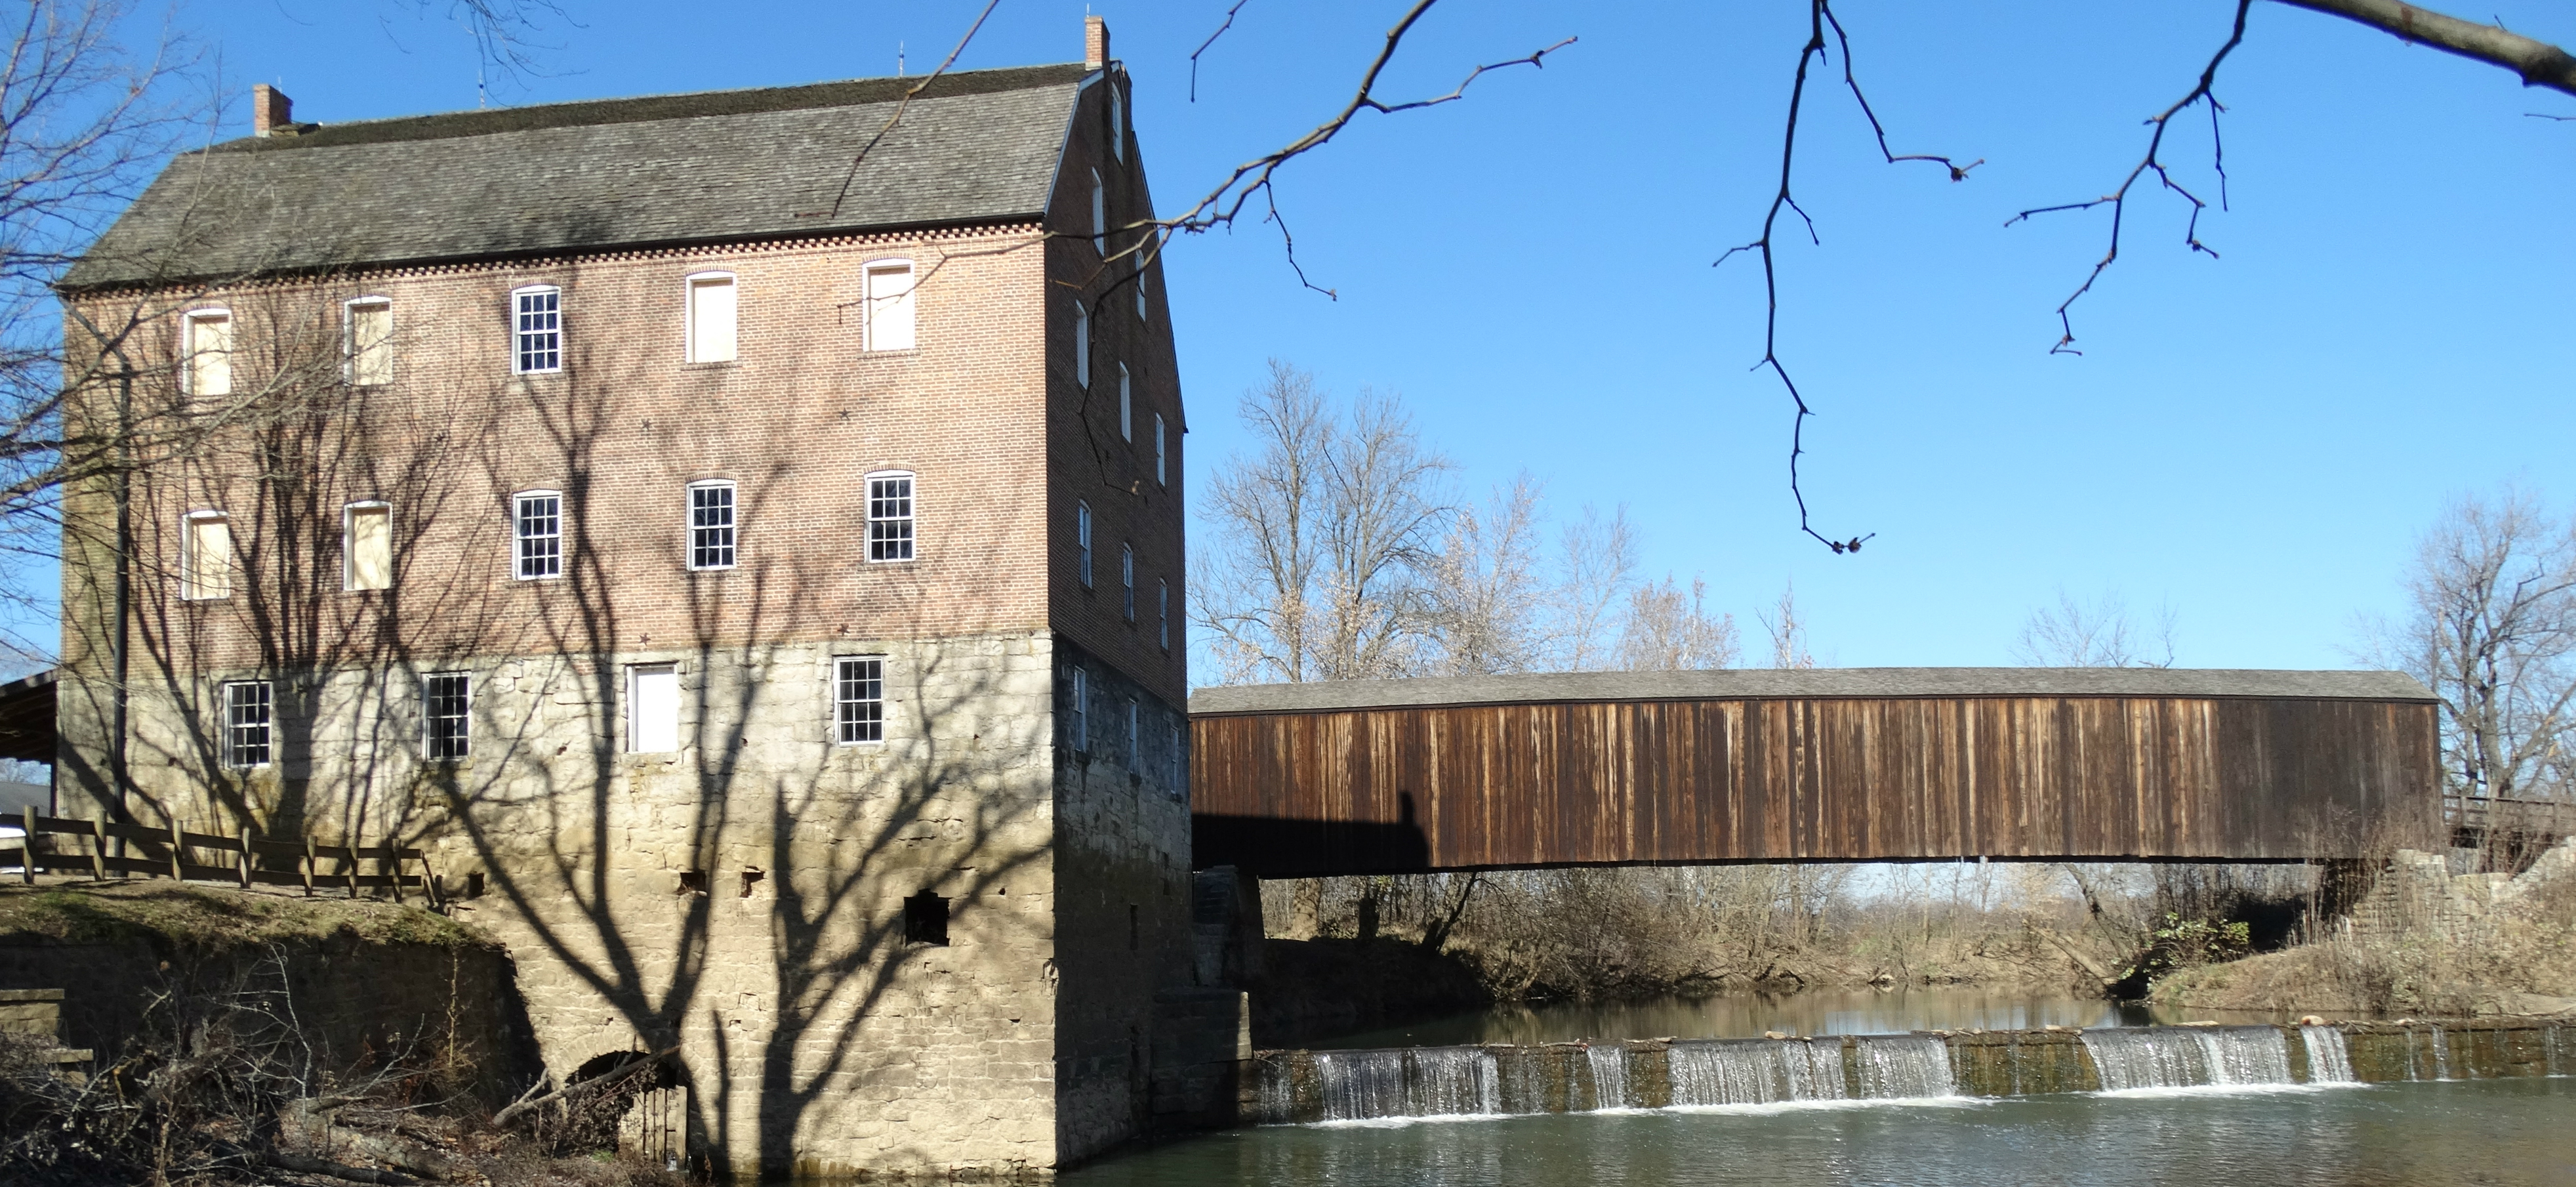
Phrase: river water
x=2233 y=1128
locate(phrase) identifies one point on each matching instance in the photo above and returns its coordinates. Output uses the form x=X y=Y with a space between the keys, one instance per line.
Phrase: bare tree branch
x=2539 y=63
x=1211 y=40
x=900 y=105
x=2118 y=200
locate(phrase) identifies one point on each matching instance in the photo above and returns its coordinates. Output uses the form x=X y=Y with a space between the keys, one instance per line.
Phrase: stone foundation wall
x=2417 y=895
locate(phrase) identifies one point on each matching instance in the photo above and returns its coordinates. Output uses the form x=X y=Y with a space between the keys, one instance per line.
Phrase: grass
x=179 y=915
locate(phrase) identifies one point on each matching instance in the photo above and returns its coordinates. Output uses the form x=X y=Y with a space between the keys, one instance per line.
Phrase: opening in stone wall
x=925 y=919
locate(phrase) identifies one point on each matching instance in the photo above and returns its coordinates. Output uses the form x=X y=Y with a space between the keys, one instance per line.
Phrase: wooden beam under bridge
x=1850 y=764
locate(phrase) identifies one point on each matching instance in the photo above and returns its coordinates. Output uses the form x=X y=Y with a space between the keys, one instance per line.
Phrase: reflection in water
x=1747 y=1016
x=2511 y=1131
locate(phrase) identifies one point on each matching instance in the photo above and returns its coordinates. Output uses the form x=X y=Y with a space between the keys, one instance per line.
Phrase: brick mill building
x=739 y=540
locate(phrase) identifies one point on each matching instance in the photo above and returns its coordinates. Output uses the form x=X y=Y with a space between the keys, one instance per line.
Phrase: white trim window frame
x=1117 y=125
x=1126 y=407
x=206 y=352
x=1081 y=345
x=712 y=541
x=1161 y=471
x=653 y=708
x=367 y=527
x=890 y=304
x=1176 y=763
x=536 y=329
x=891 y=520
x=536 y=535
x=858 y=700
x=367 y=341
x=1082 y=541
x=1135 y=740
x=205 y=556
x=1099 y=216
x=1127 y=582
x=1078 y=731
x=710 y=316
x=446 y=716
x=1163 y=611
x=250 y=734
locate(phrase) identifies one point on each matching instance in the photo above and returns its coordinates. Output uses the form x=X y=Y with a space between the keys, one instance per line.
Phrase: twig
x=577 y=1087
x=1819 y=17
x=1211 y=40
x=906 y=102
x=2118 y=200
x=2539 y=63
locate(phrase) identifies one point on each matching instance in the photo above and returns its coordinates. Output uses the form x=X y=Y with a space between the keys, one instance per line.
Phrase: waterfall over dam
x=1289 y=1087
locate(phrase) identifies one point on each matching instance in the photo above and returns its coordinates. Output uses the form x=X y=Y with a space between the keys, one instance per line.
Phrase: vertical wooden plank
x=27 y=848
x=308 y=867
x=178 y=846
x=98 y=846
x=243 y=865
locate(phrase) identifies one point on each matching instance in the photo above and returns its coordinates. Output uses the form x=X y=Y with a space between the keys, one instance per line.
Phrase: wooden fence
x=245 y=858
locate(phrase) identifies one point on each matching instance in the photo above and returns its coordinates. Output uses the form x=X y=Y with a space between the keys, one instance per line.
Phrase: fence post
x=394 y=857
x=178 y=843
x=349 y=864
x=245 y=856
x=27 y=849
x=308 y=867
x=98 y=846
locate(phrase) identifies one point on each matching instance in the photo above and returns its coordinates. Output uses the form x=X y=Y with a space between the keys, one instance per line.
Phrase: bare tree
x=1600 y=567
x=1788 y=632
x=1488 y=599
x=1666 y=630
x=2493 y=632
x=2099 y=634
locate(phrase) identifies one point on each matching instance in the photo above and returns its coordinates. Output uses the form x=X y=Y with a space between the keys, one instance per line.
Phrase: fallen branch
x=593 y=1084
x=355 y=1174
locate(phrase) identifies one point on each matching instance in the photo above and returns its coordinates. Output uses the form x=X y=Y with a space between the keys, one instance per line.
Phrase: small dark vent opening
x=693 y=882
x=925 y=919
x=750 y=881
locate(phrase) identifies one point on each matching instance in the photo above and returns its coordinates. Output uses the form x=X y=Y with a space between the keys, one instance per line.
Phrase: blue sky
x=2253 y=440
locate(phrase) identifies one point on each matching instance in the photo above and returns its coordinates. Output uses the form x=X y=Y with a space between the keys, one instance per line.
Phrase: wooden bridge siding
x=1826 y=779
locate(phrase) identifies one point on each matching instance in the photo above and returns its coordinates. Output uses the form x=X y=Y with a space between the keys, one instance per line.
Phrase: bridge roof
x=1806 y=683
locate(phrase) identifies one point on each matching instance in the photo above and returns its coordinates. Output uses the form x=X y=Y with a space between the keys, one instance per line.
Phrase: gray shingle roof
x=1327 y=696
x=977 y=147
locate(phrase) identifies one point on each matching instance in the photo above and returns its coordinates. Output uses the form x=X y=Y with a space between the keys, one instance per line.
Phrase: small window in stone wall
x=1081 y=710
x=925 y=919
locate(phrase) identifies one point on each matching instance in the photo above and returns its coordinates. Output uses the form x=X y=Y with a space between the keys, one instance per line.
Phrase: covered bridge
x=1851 y=764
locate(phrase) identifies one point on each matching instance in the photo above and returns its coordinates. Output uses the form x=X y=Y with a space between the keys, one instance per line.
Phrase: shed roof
x=1750 y=683
x=720 y=166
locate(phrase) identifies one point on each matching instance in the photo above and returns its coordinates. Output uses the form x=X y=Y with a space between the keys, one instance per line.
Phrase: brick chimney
x=1095 y=42
x=270 y=110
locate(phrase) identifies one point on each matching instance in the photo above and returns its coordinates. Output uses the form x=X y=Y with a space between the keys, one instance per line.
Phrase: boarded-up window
x=890 y=309
x=370 y=544
x=210 y=353
x=653 y=708
x=711 y=319
x=371 y=343
x=206 y=557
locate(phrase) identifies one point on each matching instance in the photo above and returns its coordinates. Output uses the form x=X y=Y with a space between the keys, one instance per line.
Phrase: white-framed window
x=1176 y=766
x=858 y=699
x=1081 y=345
x=367 y=337
x=446 y=715
x=1082 y=541
x=248 y=706
x=1163 y=611
x=1126 y=407
x=1161 y=472
x=367 y=546
x=1099 y=215
x=1117 y=125
x=890 y=516
x=711 y=539
x=890 y=305
x=206 y=556
x=652 y=708
x=536 y=524
x=1135 y=741
x=1080 y=727
x=711 y=317
x=536 y=329
x=208 y=343
x=1140 y=286
x=1127 y=581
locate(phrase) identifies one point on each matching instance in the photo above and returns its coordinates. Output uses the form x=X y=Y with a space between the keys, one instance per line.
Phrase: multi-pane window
x=1163 y=611
x=1126 y=407
x=247 y=706
x=711 y=525
x=371 y=342
x=446 y=717
x=1127 y=582
x=889 y=517
x=537 y=330
x=209 y=369
x=858 y=699
x=1135 y=741
x=537 y=522
x=1159 y=472
x=1081 y=344
x=1081 y=723
x=653 y=708
x=1082 y=541
x=206 y=556
x=711 y=318
x=367 y=546
x=889 y=306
